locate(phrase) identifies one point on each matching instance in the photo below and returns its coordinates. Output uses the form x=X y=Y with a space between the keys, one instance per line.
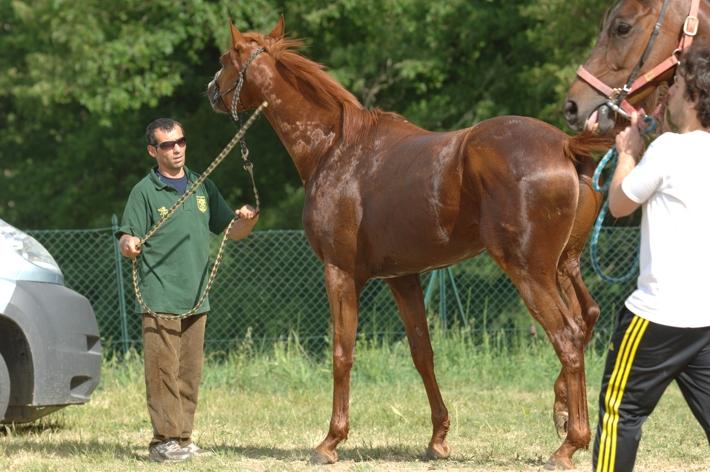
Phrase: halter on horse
x=638 y=84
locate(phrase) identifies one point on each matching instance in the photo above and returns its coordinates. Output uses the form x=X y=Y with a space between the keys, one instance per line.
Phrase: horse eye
x=622 y=29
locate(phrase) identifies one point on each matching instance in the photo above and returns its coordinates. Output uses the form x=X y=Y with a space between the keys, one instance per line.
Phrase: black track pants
x=643 y=358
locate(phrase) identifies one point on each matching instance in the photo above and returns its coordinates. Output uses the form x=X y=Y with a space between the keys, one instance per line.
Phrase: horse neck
x=307 y=130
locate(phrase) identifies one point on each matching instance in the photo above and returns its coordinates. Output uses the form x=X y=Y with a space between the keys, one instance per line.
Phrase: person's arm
x=135 y=222
x=629 y=145
x=247 y=217
x=221 y=214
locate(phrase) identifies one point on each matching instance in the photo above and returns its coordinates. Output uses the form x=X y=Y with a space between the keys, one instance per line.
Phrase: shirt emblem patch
x=201 y=203
x=163 y=211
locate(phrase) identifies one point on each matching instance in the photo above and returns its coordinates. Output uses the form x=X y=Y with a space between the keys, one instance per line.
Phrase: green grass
x=264 y=411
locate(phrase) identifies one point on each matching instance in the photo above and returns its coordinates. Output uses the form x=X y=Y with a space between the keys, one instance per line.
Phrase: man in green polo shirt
x=174 y=268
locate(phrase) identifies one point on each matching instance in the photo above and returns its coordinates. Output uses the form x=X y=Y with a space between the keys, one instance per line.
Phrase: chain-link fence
x=271 y=286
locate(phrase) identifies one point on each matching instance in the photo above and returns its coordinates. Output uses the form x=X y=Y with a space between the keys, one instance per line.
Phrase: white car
x=50 y=353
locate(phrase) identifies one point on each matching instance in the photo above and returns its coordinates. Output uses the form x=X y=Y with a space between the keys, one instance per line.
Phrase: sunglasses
x=168 y=145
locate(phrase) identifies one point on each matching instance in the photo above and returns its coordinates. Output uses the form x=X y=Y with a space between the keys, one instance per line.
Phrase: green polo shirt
x=174 y=263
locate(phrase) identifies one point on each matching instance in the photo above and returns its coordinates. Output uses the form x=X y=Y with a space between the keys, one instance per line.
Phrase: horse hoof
x=319 y=457
x=561 y=418
x=438 y=451
x=558 y=463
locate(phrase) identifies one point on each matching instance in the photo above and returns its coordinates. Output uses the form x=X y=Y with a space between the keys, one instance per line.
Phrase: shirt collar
x=160 y=185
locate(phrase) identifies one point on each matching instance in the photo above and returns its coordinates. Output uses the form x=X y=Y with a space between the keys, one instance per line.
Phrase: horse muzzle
x=602 y=120
x=215 y=97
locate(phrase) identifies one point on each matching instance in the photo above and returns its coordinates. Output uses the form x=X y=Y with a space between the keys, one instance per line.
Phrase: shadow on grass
x=72 y=448
x=43 y=425
x=365 y=455
x=357 y=454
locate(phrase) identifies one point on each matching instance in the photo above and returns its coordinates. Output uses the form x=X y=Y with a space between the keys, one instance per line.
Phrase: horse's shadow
x=356 y=454
x=124 y=451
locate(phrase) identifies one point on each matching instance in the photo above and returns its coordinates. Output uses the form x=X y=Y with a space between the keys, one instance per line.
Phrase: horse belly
x=399 y=252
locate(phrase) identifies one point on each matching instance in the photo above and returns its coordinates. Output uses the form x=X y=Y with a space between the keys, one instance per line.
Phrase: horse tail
x=581 y=149
x=586 y=144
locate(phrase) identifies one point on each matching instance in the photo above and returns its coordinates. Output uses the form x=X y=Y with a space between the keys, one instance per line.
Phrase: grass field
x=264 y=411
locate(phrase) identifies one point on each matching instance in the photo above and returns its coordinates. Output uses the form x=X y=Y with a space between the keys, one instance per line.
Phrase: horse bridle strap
x=618 y=96
x=237 y=88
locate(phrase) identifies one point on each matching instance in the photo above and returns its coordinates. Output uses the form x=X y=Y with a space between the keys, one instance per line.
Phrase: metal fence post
x=119 y=285
x=430 y=288
x=442 y=298
x=438 y=277
x=464 y=318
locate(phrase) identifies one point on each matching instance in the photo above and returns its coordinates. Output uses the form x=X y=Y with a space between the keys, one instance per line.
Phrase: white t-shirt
x=672 y=182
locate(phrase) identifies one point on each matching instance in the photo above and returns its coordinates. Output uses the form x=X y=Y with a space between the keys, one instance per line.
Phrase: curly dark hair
x=695 y=69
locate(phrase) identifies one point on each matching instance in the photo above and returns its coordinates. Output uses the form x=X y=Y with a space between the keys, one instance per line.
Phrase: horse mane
x=586 y=143
x=317 y=86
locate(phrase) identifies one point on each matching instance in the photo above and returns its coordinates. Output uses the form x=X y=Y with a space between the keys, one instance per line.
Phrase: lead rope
x=610 y=159
x=248 y=166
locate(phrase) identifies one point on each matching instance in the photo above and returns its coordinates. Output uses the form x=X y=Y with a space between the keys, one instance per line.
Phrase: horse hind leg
x=407 y=292
x=533 y=272
x=545 y=303
x=586 y=312
x=579 y=300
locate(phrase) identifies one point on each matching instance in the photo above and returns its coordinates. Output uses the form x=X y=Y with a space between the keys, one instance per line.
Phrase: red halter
x=618 y=96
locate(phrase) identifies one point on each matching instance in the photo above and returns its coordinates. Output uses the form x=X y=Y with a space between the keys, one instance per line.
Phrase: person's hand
x=629 y=141
x=246 y=212
x=247 y=217
x=128 y=245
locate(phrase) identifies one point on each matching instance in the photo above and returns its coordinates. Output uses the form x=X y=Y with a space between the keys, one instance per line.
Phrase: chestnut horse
x=387 y=199
x=629 y=52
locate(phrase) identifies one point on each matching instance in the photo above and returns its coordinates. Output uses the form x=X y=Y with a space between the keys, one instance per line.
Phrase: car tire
x=4 y=387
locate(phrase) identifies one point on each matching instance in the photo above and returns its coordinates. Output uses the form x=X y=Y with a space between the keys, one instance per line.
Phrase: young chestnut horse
x=387 y=199
x=627 y=41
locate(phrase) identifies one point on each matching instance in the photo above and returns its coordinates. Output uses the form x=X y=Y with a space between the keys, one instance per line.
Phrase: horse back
x=401 y=197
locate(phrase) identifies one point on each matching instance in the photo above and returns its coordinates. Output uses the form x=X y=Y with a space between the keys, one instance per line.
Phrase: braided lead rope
x=195 y=185
x=200 y=301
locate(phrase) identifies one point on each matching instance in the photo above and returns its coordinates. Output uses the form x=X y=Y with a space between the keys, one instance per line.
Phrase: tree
x=80 y=80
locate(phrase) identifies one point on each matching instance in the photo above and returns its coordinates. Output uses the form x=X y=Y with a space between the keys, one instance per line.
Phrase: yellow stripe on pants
x=615 y=392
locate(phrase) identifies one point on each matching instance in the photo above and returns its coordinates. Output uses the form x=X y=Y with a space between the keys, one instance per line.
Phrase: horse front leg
x=343 y=293
x=407 y=293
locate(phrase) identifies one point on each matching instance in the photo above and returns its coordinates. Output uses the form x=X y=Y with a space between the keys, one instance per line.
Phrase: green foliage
x=80 y=80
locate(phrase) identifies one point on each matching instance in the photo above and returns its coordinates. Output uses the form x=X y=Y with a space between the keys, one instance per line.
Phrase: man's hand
x=629 y=145
x=629 y=142
x=128 y=246
x=246 y=212
x=247 y=217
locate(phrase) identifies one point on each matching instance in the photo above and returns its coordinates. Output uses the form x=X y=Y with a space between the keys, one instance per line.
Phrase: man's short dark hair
x=163 y=124
x=695 y=69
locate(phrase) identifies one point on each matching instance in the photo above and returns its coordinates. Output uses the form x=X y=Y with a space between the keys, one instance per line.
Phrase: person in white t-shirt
x=663 y=331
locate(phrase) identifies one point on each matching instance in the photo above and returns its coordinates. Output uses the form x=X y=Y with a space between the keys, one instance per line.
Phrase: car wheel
x=4 y=388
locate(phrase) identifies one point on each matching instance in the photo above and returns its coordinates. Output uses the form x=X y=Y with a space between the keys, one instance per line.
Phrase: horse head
x=231 y=91
x=636 y=52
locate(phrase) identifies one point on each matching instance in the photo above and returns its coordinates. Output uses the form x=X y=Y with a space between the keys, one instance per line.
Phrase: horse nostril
x=571 y=111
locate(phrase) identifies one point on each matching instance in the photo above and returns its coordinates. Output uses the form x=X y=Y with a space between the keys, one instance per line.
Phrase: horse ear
x=278 y=31
x=236 y=35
